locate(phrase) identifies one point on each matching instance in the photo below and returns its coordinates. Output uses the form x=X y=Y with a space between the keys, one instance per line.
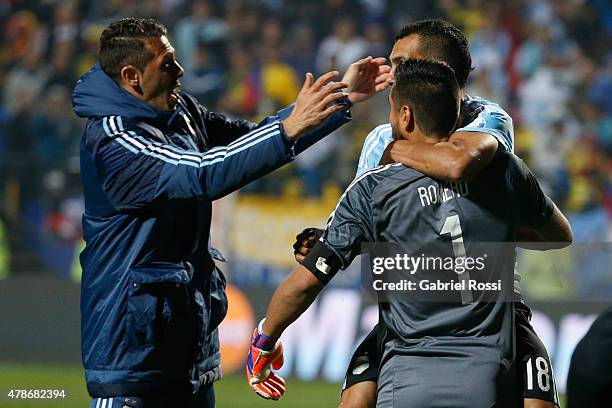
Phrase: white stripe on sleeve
x=169 y=154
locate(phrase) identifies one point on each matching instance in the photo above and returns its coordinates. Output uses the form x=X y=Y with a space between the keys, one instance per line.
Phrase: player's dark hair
x=124 y=42
x=430 y=89
x=443 y=41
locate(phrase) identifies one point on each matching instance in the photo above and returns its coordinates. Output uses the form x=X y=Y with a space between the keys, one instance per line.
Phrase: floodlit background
x=546 y=62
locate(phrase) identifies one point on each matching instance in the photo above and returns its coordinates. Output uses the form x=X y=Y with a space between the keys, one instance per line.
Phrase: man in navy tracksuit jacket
x=152 y=161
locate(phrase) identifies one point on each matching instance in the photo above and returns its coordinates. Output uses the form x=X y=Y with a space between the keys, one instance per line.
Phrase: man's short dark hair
x=443 y=41
x=124 y=42
x=430 y=88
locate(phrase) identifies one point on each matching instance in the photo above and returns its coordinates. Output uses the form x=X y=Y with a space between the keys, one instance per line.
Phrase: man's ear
x=407 y=119
x=130 y=76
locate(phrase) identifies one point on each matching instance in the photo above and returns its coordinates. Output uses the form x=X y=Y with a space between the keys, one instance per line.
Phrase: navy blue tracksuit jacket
x=151 y=296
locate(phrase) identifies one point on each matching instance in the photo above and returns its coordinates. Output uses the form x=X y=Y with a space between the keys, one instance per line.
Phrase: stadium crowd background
x=547 y=62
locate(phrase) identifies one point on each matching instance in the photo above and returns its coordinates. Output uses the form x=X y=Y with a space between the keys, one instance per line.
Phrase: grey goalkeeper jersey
x=477 y=115
x=396 y=204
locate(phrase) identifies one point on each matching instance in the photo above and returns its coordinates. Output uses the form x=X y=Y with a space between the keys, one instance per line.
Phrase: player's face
x=405 y=48
x=160 y=78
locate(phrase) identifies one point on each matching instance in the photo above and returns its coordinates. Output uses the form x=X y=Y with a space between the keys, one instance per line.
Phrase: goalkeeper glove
x=263 y=353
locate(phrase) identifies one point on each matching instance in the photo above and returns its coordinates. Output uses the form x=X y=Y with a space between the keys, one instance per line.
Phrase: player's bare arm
x=461 y=157
x=290 y=300
x=294 y=295
x=536 y=403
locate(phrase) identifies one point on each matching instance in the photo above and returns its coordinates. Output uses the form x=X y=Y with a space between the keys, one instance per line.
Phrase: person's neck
x=420 y=137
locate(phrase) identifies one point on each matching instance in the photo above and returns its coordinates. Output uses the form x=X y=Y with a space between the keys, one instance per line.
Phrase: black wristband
x=322 y=262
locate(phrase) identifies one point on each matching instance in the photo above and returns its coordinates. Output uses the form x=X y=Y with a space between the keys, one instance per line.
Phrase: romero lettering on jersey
x=441 y=192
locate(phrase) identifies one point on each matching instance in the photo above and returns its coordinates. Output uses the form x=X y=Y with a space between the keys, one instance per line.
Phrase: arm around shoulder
x=462 y=157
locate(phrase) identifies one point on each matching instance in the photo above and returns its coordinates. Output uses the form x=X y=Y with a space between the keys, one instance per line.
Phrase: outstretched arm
x=137 y=171
x=363 y=78
x=338 y=245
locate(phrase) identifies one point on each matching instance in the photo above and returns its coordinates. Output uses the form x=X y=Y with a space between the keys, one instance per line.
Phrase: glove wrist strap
x=261 y=341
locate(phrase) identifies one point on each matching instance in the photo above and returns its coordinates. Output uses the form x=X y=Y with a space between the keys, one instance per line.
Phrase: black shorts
x=535 y=367
x=534 y=363
x=365 y=362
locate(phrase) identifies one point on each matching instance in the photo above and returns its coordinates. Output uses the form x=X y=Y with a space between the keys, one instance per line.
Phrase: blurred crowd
x=546 y=62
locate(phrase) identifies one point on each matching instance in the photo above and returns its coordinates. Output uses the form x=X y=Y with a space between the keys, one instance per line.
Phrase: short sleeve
x=490 y=118
x=348 y=226
x=373 y=148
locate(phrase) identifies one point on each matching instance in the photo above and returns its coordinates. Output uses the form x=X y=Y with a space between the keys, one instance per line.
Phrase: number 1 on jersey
x=452 y=226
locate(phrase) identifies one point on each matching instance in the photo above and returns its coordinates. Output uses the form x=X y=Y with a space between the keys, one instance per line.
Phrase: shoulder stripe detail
x=369 y=143
x=371 y=139
x=357 y=180
x=175 y=149
x=381 y=130
x=137 y=144
x=122 y=142
x=236 y=143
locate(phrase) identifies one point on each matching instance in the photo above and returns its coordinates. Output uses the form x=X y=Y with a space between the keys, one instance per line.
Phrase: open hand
x=367 y=77
x=314 y=104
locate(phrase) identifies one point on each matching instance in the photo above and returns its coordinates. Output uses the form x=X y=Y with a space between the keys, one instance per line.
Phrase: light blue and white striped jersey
x=477 y=115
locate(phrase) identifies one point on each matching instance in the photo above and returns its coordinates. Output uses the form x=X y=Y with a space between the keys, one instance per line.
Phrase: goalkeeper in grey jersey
x=423 y=342
x=483 y=130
